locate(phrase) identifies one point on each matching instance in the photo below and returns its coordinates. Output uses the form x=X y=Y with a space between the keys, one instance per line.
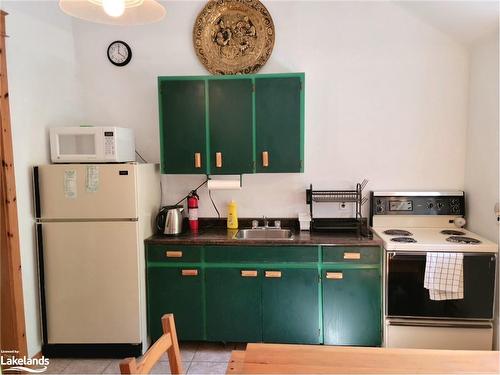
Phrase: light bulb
x=113 y=8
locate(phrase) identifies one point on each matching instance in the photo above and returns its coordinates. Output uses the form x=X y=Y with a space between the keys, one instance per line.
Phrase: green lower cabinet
x=233 y=304
x=177 y=291
x=290 y=306
x=352 y=307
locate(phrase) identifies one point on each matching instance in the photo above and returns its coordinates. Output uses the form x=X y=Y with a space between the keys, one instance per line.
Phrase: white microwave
x=91 y=144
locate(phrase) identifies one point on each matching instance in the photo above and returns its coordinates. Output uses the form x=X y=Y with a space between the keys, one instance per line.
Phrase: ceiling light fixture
x=114 y=12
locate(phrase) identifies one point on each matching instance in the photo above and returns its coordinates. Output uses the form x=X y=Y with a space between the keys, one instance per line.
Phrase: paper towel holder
x=224 y=184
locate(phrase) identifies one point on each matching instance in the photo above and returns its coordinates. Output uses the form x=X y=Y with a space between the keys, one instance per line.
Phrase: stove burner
x=451 y=232
x=403 y=239
x=463 y=240
x=397 y=232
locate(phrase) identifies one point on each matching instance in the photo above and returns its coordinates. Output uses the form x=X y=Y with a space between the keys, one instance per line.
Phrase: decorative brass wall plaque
x=233 y=36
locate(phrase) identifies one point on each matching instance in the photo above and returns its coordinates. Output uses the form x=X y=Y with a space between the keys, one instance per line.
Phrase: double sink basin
x=264 y=234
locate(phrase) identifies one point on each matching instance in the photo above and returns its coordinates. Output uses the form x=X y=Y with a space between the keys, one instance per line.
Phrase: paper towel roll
x=224 y=185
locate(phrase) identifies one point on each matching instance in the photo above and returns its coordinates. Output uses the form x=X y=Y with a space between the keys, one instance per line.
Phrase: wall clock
x=233 y=36
x=119 y=53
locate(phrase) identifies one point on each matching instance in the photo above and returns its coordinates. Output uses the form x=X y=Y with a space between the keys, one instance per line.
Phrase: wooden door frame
x=13 y=331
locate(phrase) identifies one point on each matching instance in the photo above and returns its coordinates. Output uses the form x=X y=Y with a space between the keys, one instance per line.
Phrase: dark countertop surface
x=216 y=234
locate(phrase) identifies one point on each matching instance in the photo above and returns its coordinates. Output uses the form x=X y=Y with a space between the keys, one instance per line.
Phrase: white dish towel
x=444 y=276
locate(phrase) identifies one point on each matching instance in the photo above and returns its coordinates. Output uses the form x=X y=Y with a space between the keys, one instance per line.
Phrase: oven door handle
x=447 y=324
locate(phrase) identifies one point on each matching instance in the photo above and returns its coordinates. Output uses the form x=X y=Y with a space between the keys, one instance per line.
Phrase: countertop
x=216 y=234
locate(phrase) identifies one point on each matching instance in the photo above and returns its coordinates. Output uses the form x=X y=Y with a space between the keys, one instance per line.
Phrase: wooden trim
x=13 y=336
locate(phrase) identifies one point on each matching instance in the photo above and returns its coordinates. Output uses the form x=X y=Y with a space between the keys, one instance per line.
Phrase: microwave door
x=70 y=144
x=86 y=192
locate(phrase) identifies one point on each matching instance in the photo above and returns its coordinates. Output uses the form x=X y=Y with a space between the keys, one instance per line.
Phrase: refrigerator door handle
x=36 y=193
x=41 y=280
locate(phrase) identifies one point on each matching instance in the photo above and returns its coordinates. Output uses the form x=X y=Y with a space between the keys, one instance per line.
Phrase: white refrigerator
x=91 y=222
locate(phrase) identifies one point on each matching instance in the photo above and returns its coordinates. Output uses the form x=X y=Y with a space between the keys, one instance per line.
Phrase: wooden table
x=319 y=359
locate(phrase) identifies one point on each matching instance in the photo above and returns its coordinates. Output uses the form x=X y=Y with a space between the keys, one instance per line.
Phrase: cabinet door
x=279 y=122
x=182 y=127
x=352 y=307
x=233 y=304
x=290 y=306
x=231 y=135
x=177 y=291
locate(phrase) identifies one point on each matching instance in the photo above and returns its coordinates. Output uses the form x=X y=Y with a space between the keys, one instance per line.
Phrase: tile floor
x=198 y=358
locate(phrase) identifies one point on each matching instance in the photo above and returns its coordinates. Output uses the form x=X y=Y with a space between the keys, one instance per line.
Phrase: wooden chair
x=166 y=343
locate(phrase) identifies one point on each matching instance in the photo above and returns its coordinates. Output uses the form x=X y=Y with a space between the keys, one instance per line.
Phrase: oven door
x=407 y=297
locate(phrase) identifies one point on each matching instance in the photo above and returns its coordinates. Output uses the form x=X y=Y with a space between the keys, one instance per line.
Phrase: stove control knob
x=379 y=202
x=430 y=205
x=439 y=205
x=380 y=209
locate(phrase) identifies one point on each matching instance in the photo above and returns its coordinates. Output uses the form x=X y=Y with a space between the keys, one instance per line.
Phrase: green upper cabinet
x=182 y=126
x=230 y=123
x=279 y=124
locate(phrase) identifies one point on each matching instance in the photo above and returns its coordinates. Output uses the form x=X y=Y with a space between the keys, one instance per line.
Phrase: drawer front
x=261 y=254
x=354 y=254
x=173 y=253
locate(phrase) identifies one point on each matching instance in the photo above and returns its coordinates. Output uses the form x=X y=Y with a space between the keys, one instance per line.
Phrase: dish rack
x=356 y=223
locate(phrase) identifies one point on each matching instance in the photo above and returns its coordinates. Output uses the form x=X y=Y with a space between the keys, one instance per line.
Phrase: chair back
x=166 y=343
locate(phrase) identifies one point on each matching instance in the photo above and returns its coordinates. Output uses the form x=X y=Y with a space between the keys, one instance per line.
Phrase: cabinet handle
x=174 y=254
x=352 y=255
x=265 y=159
x=273 y=274
x=248 y=273
x=218 y=159
x=189 y=272
x=197 y=160
x=334 y=275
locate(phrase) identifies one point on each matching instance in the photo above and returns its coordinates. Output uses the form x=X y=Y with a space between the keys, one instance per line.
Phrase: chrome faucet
x=255 y=224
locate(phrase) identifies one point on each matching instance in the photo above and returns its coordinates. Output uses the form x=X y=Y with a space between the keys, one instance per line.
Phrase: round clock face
x=119 y=53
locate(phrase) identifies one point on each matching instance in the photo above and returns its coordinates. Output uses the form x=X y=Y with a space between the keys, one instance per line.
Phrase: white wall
x=482 y=157
x=386 y=97
x=43 y=92
x=481 y=170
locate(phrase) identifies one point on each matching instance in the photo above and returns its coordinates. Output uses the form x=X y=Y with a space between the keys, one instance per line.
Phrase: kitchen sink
x=264 y=234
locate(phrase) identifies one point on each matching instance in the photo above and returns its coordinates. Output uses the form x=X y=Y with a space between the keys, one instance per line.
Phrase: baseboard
x=92 y=350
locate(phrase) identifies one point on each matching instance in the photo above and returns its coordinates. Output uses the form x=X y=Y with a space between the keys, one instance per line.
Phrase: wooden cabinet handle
x=197 y=160
x=273 y=274
x=352 y=255
x=248 y=273
x=173 y=254
x=265 y=159
x=189 y=272
x=218 y=159
x=334 y=275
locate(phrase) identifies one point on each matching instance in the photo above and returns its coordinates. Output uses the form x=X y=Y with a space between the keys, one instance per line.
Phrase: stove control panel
x=414 y=204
